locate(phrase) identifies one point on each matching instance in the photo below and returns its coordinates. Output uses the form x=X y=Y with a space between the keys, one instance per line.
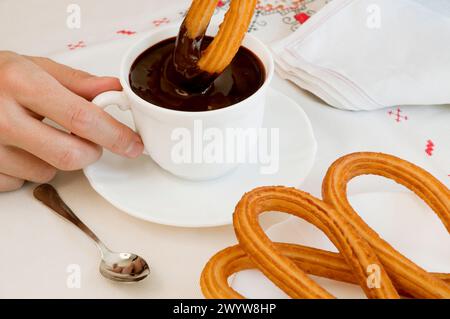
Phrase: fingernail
x=135 y=150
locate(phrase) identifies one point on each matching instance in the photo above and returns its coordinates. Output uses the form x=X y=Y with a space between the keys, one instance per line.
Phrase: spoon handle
x=48 y=195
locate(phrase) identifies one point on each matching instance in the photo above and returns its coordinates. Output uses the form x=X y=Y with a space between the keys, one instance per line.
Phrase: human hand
x=33 y=88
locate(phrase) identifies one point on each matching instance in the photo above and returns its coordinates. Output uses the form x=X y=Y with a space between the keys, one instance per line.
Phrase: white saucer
x=144 y=190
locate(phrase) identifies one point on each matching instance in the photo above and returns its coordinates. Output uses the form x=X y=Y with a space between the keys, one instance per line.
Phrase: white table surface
x=37 y=247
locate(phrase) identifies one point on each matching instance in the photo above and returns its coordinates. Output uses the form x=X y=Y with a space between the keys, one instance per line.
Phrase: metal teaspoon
x=123 y=267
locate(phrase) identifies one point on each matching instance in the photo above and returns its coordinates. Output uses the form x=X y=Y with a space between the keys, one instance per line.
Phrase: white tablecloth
x=38 y=249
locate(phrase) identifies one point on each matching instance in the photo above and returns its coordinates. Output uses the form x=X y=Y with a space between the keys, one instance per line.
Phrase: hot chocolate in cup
x=194 y=145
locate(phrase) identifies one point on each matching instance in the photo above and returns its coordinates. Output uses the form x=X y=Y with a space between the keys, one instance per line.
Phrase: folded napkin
x=371 y=54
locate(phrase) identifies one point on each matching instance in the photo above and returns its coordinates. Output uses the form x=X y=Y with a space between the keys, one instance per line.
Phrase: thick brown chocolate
x=187 y=53
x=155 y=78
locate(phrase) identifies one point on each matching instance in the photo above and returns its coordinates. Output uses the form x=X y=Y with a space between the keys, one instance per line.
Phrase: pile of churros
x=360 y=247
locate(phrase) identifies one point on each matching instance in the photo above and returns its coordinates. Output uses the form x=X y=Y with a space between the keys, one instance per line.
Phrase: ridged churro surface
x=360 y=247
x=226 y=43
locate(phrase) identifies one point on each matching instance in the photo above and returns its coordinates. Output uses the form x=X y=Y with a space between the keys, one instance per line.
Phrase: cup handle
x=111 y=98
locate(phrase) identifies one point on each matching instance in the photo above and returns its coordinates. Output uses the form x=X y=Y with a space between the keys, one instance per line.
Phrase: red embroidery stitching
x=398 y=116
x=301 y=17
x=430 y=148
x=78 y=45
x=157 y=23
x=126 y=32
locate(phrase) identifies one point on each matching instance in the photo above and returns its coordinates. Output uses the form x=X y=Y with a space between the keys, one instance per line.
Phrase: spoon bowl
x=121 y=267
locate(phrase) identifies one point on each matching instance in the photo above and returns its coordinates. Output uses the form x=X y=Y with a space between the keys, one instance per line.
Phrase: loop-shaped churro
x=283 y=271
x=407 y=275
x=360 y=246
x=317 y=262
x=226 y=43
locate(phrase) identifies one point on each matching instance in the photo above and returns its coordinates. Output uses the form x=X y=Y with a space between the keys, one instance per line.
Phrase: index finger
x=80 y=82
x=43 y=94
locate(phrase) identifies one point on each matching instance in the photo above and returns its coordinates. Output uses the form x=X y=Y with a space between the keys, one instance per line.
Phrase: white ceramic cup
x=156 y=124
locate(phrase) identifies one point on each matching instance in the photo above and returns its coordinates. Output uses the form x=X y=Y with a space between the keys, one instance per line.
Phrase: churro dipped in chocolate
x=359 y=246
x=198 y=68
